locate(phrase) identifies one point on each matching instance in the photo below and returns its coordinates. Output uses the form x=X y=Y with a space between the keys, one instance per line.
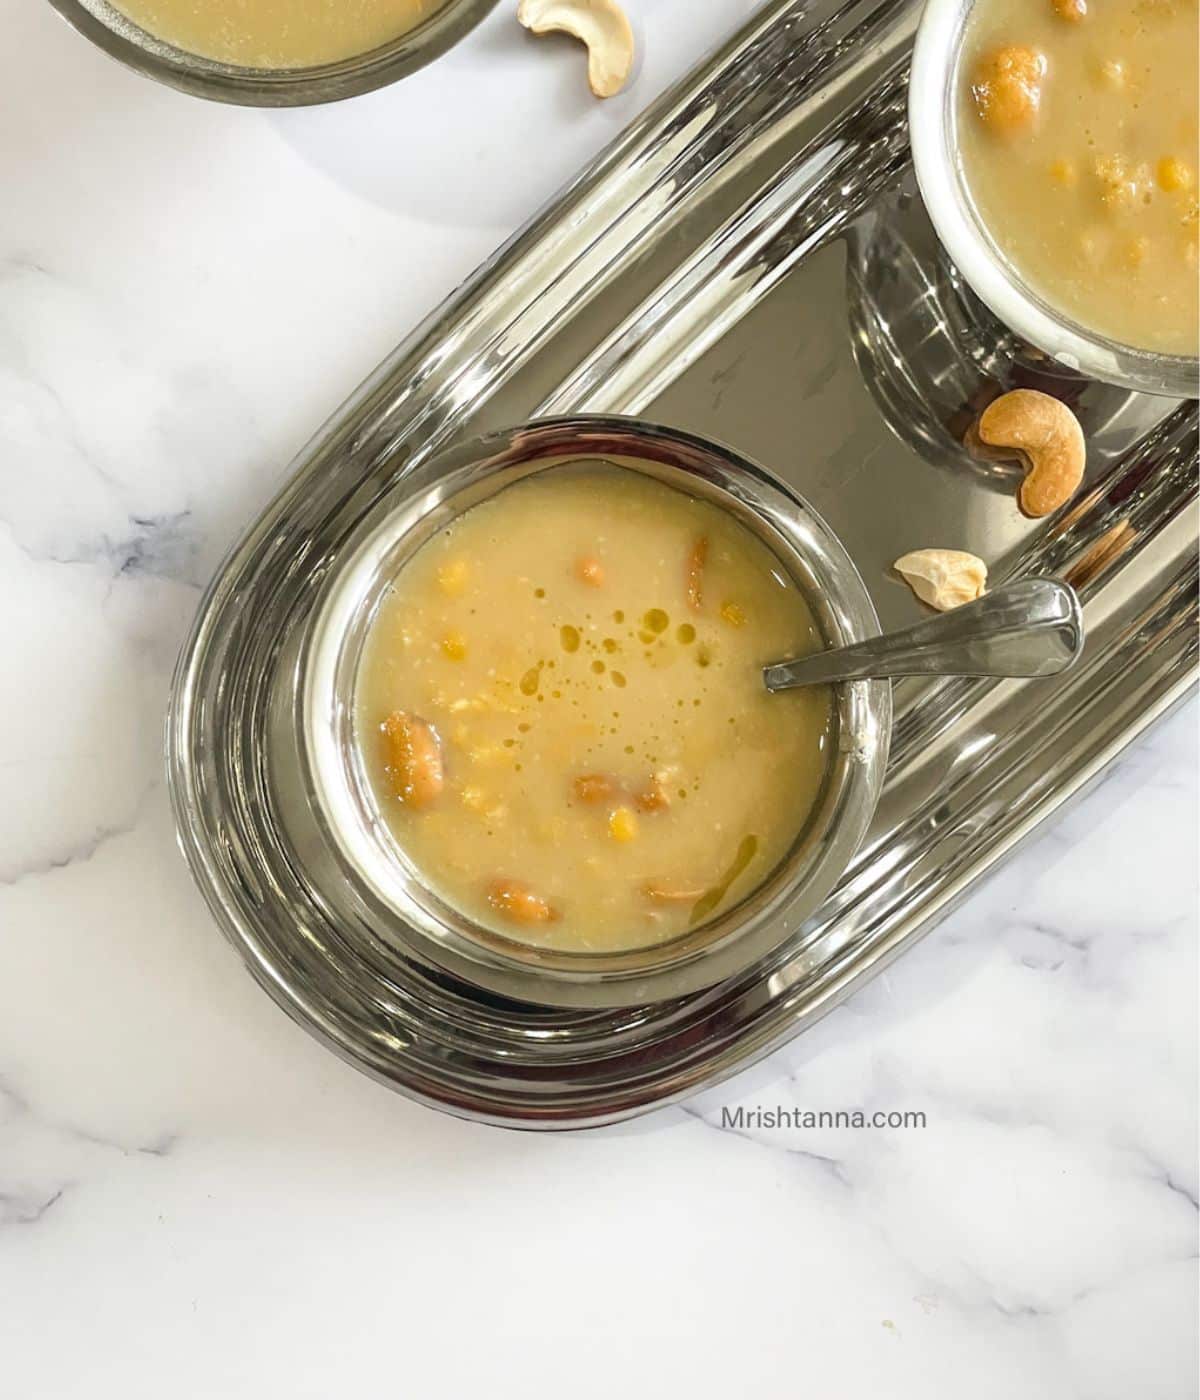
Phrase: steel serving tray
x=748 y=261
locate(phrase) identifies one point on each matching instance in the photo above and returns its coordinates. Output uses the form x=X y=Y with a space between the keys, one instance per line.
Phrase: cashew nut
x=1044 y=435
x=1071 y=10
x=412 y=759
x=665 y=892
x=516 y=901
x=594 y=788
x=600 y=24
x=943 y=578
x=654 y=797
x=1007 y=87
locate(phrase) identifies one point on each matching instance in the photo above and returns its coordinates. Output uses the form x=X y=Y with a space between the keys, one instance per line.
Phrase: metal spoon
x=1033 y=627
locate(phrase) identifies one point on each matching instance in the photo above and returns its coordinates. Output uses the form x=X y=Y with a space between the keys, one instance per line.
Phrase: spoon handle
x=1031 y=627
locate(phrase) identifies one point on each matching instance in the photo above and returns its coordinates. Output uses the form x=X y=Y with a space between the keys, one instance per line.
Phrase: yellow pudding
x=1078 y=135
x=561 y=713
x=277 y=33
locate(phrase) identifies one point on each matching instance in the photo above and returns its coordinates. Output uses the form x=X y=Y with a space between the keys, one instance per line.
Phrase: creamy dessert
x=1077 y=128
x=561 y=713
x=277 y=33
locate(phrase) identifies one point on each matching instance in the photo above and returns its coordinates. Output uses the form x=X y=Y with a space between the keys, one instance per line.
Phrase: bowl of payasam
x=1055 y=144
x=534 y=723
x=274 y=53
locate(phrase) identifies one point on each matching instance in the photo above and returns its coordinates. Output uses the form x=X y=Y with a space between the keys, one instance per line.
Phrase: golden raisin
x=1007 y=87
x=589 y=570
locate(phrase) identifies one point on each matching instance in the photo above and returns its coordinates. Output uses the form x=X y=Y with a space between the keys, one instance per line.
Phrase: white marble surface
x=195 y=1199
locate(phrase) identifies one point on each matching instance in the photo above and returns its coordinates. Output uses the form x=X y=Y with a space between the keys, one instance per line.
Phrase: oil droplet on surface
x=708 y=901
x=686 y=633
x=656 y=621
x=529 y=681
x=570 y=637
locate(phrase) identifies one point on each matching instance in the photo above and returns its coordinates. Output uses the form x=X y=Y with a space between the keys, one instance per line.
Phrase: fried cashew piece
x=412 y=759
x=667 y=892
x=943 y=578
x=1044 y=435
x=600 y=24
x=1007 y=87
x=594 y=788
x=1072 y=10
x=515 y=900
x=654 y=797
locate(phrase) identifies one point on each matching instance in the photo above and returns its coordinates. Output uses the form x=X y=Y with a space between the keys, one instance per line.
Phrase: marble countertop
x=196 y=1199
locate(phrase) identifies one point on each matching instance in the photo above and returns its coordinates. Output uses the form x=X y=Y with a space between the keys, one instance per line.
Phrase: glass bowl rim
x=764 y=918
x=136 y=48
x=932 y=125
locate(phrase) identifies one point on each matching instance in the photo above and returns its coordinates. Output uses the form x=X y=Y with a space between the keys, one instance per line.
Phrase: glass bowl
x=271 y=87
x=933 y=130
x=412 y=917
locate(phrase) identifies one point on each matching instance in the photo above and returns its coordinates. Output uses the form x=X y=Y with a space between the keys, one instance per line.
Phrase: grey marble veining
x=188 y=1183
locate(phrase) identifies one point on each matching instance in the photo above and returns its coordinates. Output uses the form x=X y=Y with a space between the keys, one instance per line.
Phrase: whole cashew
x=600 y=24
x=1042 y=433
x=518 y=902
x=412 y=759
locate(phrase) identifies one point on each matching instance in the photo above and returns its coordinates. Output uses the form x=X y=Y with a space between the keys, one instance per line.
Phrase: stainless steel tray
x=748 y=261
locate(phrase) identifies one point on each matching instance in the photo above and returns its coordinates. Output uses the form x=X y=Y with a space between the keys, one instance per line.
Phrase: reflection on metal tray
x=748 y=261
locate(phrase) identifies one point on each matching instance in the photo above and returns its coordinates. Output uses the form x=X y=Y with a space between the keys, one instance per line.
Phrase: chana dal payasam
x=277 y=34
x=561 y=712
x=1078 y=136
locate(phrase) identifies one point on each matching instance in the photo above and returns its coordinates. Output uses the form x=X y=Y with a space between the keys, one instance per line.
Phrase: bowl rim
x=932 y=120
x=126 y=41
x=423 y=923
